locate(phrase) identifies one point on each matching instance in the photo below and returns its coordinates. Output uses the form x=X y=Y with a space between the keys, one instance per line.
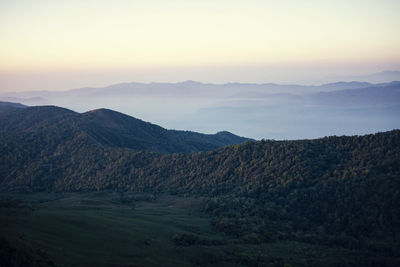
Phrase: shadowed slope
x=111 y=128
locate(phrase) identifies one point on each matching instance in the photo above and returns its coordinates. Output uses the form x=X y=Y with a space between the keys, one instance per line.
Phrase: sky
x=60 y=45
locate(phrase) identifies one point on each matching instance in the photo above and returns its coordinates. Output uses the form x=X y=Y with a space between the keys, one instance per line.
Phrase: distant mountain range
x=387 y=92
x=256 y=110
x=378 y=95
x=187 y=89
x=377 y=77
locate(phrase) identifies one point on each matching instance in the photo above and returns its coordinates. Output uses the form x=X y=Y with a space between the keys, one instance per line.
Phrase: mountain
x=377 y=77
x=272 y=111
x=119 y=130
x=346 y=85
x=8 y=106
x=383 y=96
x=113 y=129
x=198 y=89
x=337 y=193
x=187 y=89
x=29 y=101
x=350 y=182
x=200 y=141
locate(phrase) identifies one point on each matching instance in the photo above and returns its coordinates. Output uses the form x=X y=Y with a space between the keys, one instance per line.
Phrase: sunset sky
x=67 y=44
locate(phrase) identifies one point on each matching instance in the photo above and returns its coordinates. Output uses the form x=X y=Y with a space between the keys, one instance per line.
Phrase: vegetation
x=95 y=229
x=9 y=106
x=111 y=129
x=337 y=194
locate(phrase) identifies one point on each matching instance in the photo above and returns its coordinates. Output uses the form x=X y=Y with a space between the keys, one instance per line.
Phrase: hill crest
x=113 y=129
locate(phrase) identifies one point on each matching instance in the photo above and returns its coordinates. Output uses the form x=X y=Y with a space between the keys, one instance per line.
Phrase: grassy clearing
x=110 y=229
x=94 y=229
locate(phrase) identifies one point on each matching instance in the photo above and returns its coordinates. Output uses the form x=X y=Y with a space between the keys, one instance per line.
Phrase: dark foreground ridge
x=340 y=193
x=9 y=106
x=109 y=128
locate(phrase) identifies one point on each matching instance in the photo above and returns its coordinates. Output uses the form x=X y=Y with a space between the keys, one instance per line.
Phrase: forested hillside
x=8 y=106
x=109 y=128
x=338 y=191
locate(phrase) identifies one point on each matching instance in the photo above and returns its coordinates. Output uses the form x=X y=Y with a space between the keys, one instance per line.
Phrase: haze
x=133 y=56
x=60 y=45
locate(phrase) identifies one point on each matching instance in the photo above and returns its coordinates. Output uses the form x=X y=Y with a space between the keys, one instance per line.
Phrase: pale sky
x=68 y=44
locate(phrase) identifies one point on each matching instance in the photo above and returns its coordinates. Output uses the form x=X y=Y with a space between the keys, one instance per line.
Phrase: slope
x=8 y=106
x=111 y=128
x=119 y=130
x=384 y=96
x=334 y=191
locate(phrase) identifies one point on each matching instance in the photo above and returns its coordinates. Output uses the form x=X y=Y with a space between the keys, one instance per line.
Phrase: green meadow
x=135 y=229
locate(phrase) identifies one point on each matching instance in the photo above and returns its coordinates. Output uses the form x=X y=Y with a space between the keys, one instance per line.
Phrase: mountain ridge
x=114 y=129
x=257 y=111
x=189 y=83
x=336 y=192
x=7 y=106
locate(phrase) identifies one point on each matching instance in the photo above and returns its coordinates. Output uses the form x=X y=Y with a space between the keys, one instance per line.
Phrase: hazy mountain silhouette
x=388 y=95
x=378 y=77
x=256 y=110
x=184 y=89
